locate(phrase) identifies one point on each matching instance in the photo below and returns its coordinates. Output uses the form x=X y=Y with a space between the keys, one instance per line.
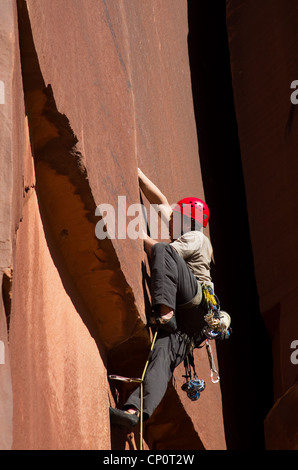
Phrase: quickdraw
x=211 y=363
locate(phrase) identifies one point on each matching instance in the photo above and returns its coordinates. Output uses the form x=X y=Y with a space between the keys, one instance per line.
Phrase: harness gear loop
x=196 y=300
x=217 y=325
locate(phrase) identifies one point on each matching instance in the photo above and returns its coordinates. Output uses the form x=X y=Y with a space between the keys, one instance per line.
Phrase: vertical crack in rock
x=234 y=274
x=68 y=208
x=6 y=294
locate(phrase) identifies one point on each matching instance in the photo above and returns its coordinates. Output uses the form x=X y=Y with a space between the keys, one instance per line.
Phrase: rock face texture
x=90 y=91
x=93 y=91
x=12 y=138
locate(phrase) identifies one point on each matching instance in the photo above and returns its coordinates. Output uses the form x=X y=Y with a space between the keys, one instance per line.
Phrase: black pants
x=172 y=284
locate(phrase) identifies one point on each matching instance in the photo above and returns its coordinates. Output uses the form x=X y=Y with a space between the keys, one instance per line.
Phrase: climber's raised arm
x=154 y=195
x=148 y=244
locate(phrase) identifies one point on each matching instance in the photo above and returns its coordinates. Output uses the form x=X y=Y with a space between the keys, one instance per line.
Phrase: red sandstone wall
x=60 y=384
x=119 y=73
x=140 y=90
x=263 y=47
x=12 y=132
x=107 y=89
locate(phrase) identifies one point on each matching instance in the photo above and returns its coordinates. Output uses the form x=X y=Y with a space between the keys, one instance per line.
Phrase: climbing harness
x=193 y=386
x=140 y=381
x=196 y=300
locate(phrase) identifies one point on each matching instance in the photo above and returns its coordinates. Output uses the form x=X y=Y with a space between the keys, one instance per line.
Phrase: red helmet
x=194 y=208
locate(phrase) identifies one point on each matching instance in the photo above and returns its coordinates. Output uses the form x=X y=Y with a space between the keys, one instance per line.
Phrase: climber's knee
x=158 y=247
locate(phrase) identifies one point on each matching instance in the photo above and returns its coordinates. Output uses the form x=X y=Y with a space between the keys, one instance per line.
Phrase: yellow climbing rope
x=141 y=390
x=140 y=381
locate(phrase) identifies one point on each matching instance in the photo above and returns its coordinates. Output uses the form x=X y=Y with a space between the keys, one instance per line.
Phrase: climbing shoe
x=122 y=418
x=168 y=325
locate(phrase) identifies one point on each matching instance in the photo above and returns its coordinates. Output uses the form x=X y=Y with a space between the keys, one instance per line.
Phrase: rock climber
x=179 y=269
